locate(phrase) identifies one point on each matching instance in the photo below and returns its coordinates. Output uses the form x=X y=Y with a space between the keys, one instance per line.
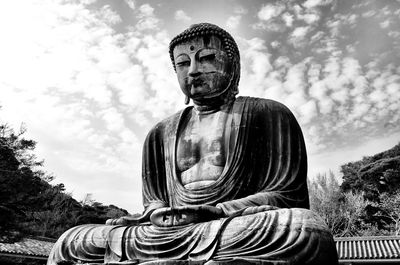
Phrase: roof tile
x=377 y=247
x=27 y=246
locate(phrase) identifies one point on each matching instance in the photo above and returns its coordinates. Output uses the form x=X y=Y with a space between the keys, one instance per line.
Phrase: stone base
x=188 y=262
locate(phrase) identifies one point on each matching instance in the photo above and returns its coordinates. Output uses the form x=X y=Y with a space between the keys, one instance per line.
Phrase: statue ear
x=234 y=84
x=187 y=99
x=235 y=90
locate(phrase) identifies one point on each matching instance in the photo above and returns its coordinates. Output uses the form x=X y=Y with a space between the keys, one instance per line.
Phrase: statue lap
x=283 y=236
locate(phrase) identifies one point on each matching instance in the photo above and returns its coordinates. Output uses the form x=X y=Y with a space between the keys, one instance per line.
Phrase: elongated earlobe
x=186 y=100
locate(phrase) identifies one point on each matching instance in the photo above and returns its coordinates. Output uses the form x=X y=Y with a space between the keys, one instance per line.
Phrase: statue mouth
x=196 y=82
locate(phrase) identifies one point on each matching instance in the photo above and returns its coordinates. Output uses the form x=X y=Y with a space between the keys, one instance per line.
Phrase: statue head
x=207 y=62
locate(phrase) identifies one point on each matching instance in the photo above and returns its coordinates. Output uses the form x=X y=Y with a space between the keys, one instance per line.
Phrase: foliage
x=20 y=182
x=20 y=261
x=353 y=211
x=29 y=204
x=325 y=199
x=388 y=212
x=367 y=202
x=374 y=175
x=345 y=213
x=342 y=212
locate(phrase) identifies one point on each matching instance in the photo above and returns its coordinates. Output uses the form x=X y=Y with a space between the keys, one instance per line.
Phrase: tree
x=377 y=178
x=389 y=212
x=345 y=213
x=352 y=211
x=29 y=204
x=20 y=182
x=373 y=175
x=326 y=199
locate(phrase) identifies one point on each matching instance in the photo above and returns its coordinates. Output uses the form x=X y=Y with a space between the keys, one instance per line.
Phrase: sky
x=89 y=79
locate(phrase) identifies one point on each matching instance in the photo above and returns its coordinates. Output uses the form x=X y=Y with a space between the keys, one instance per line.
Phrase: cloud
x=273 y=26
x=288 y=19
x=240 y=10
x=88 y=85
x=160 y=79
x=278 y=16
x=129 y=85
x=255 y=66
x=130 y=3
x=109 y=15
x=369 y=13
x=299 y=34
x=317 y=3
x=311 y=18
x=308 y=111
x=294 y=86
x=269 y=11
x=180 y=15
x=336 y=100
x=114 y=120
x=385 y=24
x=147 y=19
x=233 y=22
x=88 y=2
x=146 y=10
x=310 y=15
x=351 y=101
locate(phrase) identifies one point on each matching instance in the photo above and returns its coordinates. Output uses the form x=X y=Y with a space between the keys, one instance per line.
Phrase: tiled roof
x=368 y=248
x=27 y=247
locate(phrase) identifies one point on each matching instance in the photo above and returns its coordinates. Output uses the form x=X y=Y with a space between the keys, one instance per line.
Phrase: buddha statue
x=224 y=180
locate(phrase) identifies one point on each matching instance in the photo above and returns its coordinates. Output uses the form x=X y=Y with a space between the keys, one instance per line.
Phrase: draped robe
x=263 y=190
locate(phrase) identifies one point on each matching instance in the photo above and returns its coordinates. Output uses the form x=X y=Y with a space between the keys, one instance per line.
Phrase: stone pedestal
x=188 y=262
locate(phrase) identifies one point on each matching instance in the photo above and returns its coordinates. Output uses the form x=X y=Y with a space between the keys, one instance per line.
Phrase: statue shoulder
x=166 y=125
x=262 y=105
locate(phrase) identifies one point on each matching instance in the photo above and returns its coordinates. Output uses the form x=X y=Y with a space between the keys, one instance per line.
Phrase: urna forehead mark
x=195 y=44
x=188 y=47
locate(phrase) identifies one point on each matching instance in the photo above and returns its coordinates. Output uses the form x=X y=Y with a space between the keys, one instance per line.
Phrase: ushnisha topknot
x=205 y=29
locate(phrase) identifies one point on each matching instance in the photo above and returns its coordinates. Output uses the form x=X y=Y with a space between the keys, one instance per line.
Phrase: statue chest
x=201 y=150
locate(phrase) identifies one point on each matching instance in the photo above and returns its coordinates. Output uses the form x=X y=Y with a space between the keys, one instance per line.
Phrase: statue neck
x=213 y=105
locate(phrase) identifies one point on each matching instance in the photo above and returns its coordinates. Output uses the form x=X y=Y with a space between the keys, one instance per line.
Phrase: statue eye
x=207 y=57
x=183 y=63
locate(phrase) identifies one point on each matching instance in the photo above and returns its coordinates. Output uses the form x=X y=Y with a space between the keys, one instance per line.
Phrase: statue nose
x=194 y=69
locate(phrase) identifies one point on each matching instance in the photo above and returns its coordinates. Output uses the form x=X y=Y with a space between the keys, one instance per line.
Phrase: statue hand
x=130 y=220
x=258 y=209
x=236 y=208
x=185 y=215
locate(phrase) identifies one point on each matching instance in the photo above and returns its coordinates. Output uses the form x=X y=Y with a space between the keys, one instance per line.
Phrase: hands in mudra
x=129 y=220
x=185 y=215
x=176 y=216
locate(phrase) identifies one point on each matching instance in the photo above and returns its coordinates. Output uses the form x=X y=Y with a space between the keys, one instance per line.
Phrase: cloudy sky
x=90 y=78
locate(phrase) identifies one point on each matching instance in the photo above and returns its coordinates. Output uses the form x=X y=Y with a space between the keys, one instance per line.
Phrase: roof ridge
x=361 y=238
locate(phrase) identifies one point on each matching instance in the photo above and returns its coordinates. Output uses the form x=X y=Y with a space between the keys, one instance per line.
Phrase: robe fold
x=266 y=161
x=263 y=188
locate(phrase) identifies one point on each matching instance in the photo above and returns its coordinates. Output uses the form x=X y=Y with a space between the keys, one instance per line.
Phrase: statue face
x=203 y=67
